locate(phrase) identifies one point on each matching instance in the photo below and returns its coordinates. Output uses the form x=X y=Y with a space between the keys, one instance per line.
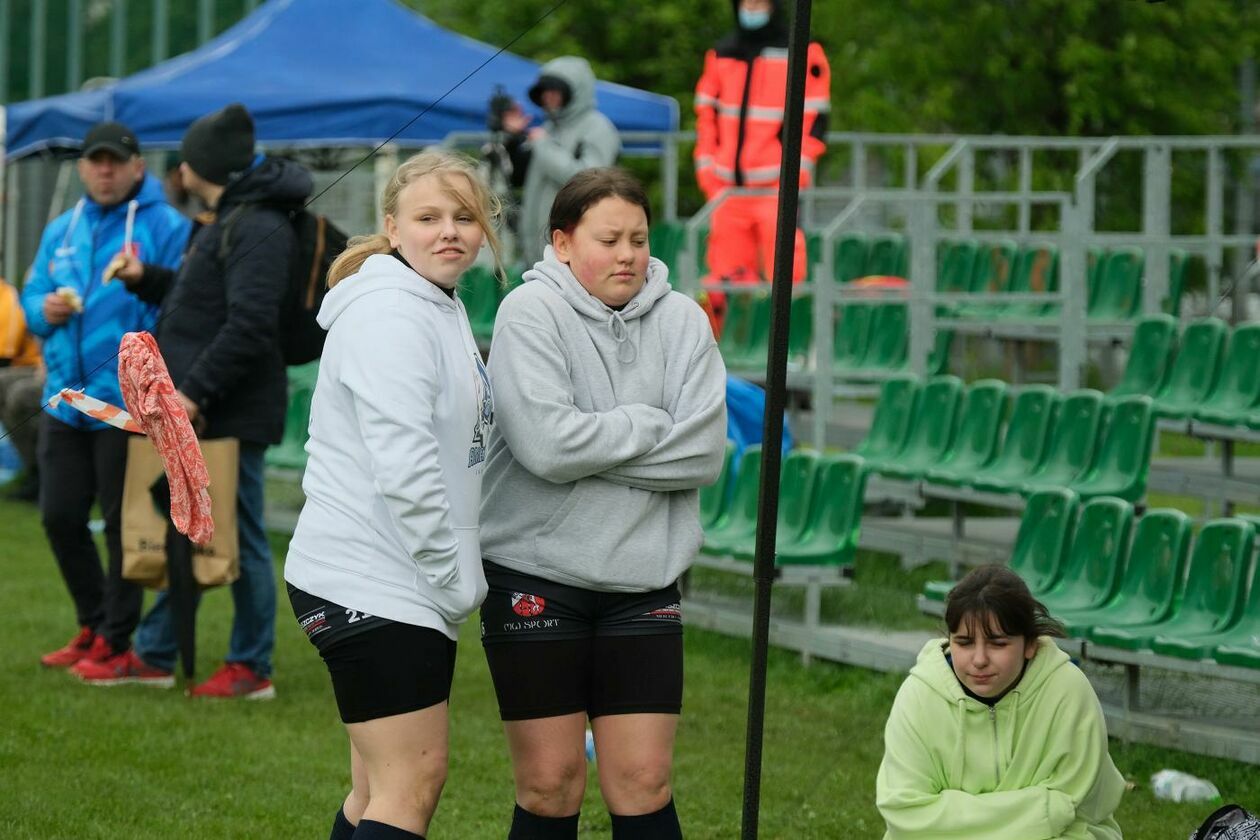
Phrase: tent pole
x=772 y=431
x=161 y=43
x=4 y=192
x=74 y=44
x=39 y=46
x=118 y=40
x=6 y=18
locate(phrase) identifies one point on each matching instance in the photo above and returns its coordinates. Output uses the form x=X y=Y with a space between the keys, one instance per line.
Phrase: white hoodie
x=399 y=424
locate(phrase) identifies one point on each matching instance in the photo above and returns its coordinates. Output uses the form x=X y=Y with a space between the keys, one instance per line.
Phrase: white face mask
x=753 y=19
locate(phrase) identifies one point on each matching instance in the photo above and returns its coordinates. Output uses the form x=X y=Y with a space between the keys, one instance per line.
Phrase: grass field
x=79 y=762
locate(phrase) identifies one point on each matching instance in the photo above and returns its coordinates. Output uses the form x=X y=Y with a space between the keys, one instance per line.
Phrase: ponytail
x=357 y=251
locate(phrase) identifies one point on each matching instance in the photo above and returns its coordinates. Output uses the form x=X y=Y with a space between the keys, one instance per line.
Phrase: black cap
x=112 y=137
x=220 y=146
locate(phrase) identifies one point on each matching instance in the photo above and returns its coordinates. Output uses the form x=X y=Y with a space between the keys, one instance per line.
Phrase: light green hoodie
x=1034 y=767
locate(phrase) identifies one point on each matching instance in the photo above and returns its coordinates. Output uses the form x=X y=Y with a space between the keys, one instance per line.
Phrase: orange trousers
x=741 y=247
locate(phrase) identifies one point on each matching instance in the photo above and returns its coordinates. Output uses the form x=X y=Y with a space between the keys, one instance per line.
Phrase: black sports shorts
x=555 y=649
x=378 y=667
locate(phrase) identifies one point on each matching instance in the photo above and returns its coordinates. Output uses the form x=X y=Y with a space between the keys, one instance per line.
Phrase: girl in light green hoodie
x=996 y=735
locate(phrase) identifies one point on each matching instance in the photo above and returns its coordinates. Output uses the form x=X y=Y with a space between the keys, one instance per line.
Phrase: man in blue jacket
x=81 y=319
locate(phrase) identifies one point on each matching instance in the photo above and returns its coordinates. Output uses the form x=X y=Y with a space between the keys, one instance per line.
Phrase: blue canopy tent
x=319 y=73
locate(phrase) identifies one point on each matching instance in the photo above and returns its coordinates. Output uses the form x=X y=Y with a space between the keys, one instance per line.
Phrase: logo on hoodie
x=485 y=415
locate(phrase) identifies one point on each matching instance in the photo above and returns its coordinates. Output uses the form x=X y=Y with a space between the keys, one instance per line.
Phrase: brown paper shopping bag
x=144 y=525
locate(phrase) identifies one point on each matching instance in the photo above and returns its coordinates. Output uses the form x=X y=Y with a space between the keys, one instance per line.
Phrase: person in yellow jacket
x=996 y=735
x=21 y=381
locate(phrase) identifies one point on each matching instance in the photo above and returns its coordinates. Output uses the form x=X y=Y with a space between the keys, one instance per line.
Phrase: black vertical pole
x=772 y=433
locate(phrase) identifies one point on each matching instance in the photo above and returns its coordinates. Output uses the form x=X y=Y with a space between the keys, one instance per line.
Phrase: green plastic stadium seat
x=850 y=257
x=979 y=423
x=1220 y=563
x=740 y=325
x=1072 y=444
x=890 y=424
x=1044 y=532
x=886 y=255
x=1237 y=391
x=886 y=349
x=1036 y=270
x=957 y=265
x=1243 y=634
x=931 y=431
x=750 y=354
x=813 y=255
x=1124 y=456
x=1195 y=369
x=290 y=453
x=1178 y=267
x=1095 y=562
x=801 y=333
x=713 y=497
x=831 y=533
x=1150 y=358
x=1024 y=446
x=991 y=273
x=852 y=336
x=479 y=292
x=938 y=356
x=1152 y=578
x=1117 y=294
x=739 y=520
x=796 y=486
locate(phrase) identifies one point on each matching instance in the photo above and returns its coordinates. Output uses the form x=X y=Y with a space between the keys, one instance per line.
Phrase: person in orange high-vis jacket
x=740 y=102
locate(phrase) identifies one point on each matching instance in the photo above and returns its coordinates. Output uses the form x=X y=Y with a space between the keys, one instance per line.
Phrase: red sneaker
x=75 y=650
x=235 y=679
x=120 y=669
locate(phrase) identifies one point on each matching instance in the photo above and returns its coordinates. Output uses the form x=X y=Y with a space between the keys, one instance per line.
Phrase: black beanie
x=220 y=146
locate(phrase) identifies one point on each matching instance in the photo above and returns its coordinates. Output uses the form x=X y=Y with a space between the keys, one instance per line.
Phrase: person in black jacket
x=218 y=332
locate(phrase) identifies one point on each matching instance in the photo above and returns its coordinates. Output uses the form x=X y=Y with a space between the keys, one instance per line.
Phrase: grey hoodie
x=606 y=423
x=578 y=137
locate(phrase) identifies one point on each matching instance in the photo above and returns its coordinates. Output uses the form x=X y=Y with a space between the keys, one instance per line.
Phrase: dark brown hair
x=1000 y=599
x=589 y=187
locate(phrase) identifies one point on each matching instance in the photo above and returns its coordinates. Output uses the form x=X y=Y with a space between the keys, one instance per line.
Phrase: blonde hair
x=484 y=207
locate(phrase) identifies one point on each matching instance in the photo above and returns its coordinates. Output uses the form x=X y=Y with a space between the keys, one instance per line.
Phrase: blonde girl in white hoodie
x=385 y=562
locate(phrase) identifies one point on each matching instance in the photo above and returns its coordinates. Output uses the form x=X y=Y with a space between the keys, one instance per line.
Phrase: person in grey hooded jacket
x=610 y=407
x=574 y=137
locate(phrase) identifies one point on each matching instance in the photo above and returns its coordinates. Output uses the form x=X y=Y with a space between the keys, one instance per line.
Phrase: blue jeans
x=253 y=594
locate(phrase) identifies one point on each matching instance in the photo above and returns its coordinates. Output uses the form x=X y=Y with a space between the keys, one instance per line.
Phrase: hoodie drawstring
x=621 y=334
x=74 y=222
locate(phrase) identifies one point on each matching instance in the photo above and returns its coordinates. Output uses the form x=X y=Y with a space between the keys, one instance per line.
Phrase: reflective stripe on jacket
x=739 y=117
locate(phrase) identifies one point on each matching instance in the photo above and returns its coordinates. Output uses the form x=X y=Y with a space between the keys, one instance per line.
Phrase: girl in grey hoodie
x=611 y=413
x=385 y=565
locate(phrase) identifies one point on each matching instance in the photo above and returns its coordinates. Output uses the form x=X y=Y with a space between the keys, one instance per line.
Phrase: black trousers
x=76 y=468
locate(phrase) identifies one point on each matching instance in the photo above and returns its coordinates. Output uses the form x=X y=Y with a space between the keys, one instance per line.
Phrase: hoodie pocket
x=607 y=534
x=467 y=589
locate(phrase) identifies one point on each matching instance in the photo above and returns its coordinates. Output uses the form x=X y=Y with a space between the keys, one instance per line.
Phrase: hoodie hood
x=748 y=43
x=274 y=181
x=577 y=74
x=558 y=277
x=379 y=272
x=935 y=671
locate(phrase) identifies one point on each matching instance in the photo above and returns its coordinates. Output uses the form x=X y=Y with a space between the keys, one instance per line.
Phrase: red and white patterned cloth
x=150 y=396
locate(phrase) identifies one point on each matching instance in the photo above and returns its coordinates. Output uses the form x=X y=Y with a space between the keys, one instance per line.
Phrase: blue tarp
x=319 y=73
x=745 y=415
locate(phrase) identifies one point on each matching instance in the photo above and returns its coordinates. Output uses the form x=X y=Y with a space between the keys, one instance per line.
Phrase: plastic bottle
x=1176 y=786
x=590 y=746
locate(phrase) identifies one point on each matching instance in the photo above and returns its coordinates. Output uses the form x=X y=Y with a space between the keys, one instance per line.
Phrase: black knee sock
x=342 y=829
x=373 y=830
x=527 y=826
x=659 y=825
